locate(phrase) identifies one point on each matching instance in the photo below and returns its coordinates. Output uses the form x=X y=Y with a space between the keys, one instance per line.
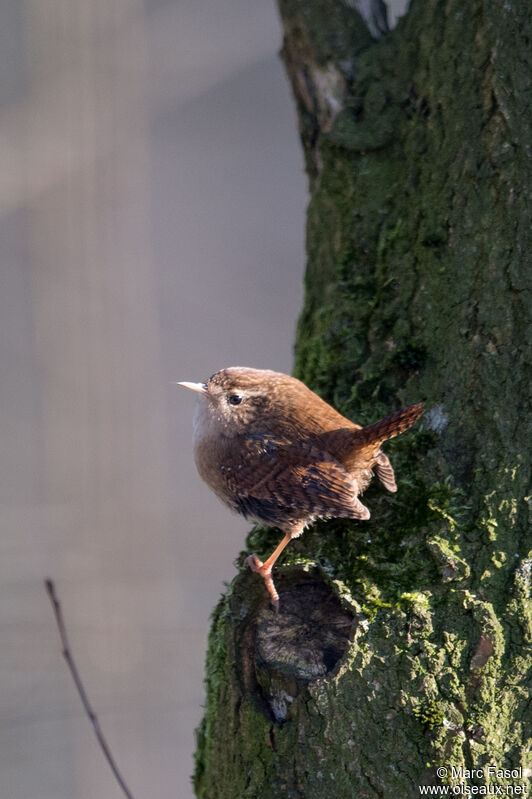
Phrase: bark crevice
x=280 y=653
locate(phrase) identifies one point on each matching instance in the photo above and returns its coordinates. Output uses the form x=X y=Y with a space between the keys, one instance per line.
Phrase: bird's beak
x=201 y=388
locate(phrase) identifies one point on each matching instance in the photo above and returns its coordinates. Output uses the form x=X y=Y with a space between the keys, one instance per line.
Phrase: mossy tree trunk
x=403 y=643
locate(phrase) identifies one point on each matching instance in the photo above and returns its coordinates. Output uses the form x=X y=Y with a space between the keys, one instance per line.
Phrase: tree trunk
x=403 y=643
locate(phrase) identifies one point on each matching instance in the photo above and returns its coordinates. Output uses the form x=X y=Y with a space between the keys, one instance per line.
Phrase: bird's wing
x=277 y=480
x=384 y=471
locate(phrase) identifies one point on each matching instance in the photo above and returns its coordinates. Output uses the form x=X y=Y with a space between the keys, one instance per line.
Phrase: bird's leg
x=265 y=569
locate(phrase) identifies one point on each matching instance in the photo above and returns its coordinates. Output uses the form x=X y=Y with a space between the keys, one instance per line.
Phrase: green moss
x=452 y=567
x=215 y=681
x=416 y=599
x=370 y=134
x=429 y=714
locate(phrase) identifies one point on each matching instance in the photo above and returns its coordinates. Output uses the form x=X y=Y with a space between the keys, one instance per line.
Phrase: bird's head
x=240 y=399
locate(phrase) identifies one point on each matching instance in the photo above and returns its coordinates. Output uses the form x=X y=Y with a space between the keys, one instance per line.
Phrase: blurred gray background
x=151 y=229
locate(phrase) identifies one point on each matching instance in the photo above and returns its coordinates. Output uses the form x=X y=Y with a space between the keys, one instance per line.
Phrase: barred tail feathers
x=389 y=427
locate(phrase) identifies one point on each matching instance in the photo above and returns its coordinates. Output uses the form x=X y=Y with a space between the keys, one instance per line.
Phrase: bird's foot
x=265 y=571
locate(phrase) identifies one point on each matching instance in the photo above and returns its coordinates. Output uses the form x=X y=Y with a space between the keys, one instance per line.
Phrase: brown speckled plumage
x=274 y=451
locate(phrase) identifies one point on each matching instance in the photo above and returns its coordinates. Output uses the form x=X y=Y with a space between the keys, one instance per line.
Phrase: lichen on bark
x=417 y=287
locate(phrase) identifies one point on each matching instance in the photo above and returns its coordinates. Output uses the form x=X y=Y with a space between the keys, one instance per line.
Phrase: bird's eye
x=234 y=399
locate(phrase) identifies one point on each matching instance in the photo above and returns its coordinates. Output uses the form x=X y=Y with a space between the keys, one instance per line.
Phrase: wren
x=273 y=451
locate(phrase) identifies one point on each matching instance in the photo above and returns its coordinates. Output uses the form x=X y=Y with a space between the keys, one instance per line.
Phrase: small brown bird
x=274 y=451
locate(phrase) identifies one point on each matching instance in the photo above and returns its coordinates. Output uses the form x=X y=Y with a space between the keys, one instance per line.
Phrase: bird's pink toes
x=256 y=565
x=254 y=562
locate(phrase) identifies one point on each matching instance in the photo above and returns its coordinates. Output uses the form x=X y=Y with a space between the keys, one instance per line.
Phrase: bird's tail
x=389 y=427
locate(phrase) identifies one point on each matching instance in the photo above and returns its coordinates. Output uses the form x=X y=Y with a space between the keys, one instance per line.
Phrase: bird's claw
x=256 y=565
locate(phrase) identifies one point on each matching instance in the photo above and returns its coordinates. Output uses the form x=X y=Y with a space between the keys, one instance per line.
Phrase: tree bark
x=403 y=643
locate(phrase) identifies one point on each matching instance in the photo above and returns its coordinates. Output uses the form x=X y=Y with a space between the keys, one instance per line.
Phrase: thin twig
x=50 y=588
